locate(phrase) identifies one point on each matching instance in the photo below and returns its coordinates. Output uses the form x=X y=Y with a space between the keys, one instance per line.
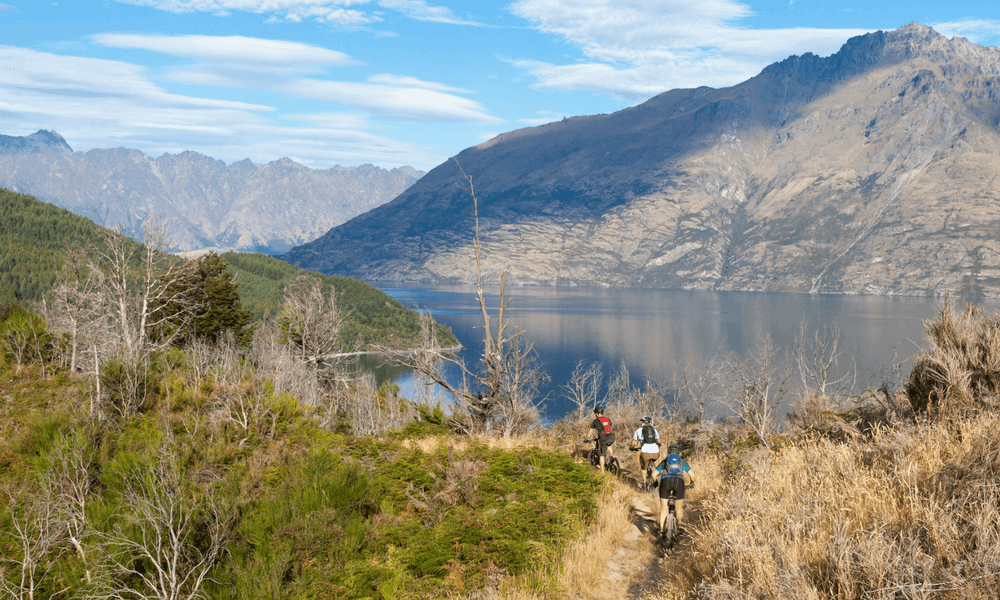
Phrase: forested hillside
x=35 y=237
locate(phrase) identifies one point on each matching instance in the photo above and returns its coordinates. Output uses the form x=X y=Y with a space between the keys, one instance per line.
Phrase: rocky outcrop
x=869 y=171
x=205 y=203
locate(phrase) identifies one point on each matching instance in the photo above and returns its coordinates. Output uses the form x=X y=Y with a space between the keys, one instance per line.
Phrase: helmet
x=598 y=410
x=647 y=420
x=673 y=448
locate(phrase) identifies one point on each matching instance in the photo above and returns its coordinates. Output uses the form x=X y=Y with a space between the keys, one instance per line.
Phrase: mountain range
x=871 y=171
x=267 y=208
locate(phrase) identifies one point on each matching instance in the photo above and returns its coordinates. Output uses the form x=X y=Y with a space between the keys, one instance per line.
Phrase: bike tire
x=595 y=460
x=671 y=531
x=613 y=466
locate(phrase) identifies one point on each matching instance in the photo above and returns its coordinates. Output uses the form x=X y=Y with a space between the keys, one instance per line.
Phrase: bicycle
x=610 y=461
x=672 y=528
x=650 y=467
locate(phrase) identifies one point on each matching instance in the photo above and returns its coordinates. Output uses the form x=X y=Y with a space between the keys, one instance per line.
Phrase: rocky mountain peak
x=243 y=206
x=871 y=170
x=39 y=141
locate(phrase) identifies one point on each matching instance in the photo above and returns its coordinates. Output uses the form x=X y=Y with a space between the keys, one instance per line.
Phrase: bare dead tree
x=698 y=386
x=68 y=481
x=135 y=295
x=25 y=337
x=520 y=378
x=373 y=411
x=817 y=360
x=756 y=387
x=311 y=322
x=584 y=386
x=153 y=550
x=37 y=537
x=488 y=401
x=74 y=304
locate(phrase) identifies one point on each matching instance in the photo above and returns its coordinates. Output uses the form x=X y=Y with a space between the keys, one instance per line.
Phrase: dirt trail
x=636 y=565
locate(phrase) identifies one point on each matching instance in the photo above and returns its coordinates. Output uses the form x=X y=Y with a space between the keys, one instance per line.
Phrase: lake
x=655 y=333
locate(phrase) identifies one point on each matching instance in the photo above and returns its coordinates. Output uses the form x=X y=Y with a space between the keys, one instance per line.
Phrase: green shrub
x=128 y=387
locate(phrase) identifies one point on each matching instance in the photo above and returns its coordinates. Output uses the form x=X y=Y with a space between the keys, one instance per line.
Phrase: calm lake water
x=655 y=333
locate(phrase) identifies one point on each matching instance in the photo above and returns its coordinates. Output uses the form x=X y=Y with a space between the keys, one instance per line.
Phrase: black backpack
x=648 y=434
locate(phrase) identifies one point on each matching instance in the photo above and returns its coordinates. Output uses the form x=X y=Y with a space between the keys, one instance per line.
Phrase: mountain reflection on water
x=655 y=333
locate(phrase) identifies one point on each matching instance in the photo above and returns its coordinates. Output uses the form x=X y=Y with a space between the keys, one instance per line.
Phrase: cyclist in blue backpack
x=673 y=471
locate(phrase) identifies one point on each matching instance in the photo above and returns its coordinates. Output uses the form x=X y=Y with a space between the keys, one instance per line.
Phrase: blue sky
x=393 y=82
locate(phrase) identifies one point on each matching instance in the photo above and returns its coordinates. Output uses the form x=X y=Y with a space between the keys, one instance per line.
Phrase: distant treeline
x=373 y=315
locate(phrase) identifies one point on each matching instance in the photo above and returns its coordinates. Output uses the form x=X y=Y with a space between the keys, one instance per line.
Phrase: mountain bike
x=671 y=528
x=650 y=467
x=610 y=461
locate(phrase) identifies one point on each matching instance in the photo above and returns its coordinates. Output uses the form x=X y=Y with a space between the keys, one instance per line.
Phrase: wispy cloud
x=543 y=118
x=102 y=103
x=413 y=82
x=237 y=50
x=275 y=68
x=402 y=103
x=421 y=11
x=635 y=48
x=330 y=11
x=979 y=31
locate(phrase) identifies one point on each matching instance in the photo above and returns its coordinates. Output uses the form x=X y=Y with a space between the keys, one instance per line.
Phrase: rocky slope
x=869 y=171
x=243 y=206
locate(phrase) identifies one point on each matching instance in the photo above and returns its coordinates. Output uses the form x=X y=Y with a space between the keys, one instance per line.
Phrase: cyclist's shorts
x=672 y=483
x=645 y=457
x=605 y=441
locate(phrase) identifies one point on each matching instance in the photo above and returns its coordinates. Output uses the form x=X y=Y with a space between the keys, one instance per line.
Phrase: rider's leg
x=602 y=463
x=679 y=509
x=664 y=511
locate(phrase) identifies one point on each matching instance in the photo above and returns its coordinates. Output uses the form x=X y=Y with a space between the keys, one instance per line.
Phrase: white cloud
x=331 y=11
x=331 y=120
x=238 y=50
x=636 y=48
x=406 y=81
x=977 y=31
x=421 y=11
x=544 y=118
x=102 y=103
x=403 y=103
x=391 y=96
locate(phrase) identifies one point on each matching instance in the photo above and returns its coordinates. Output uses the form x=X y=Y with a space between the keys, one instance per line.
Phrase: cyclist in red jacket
x=605 y=437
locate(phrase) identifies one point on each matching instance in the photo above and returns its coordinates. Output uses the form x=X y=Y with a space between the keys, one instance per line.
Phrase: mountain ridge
x=816 y=175
x=206 y=204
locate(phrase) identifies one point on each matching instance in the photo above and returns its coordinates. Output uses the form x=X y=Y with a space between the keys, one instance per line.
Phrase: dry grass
x=960 y=373
x=905 y=514
x=585 y=562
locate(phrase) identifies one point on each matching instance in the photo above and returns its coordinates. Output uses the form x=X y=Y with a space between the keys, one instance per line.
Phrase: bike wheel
x=613 y=466
x=595 y=460
x=671 y=530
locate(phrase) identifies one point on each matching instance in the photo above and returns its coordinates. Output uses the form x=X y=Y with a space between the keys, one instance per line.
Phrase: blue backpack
x=673 y=467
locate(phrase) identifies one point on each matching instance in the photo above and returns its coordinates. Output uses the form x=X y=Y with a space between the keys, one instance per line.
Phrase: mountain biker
x=646 y=441
x=673 y=471
x=605 y=437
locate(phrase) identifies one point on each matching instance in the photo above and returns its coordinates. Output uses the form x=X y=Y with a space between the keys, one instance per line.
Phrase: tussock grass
x=960 y=373
x=911 y=513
